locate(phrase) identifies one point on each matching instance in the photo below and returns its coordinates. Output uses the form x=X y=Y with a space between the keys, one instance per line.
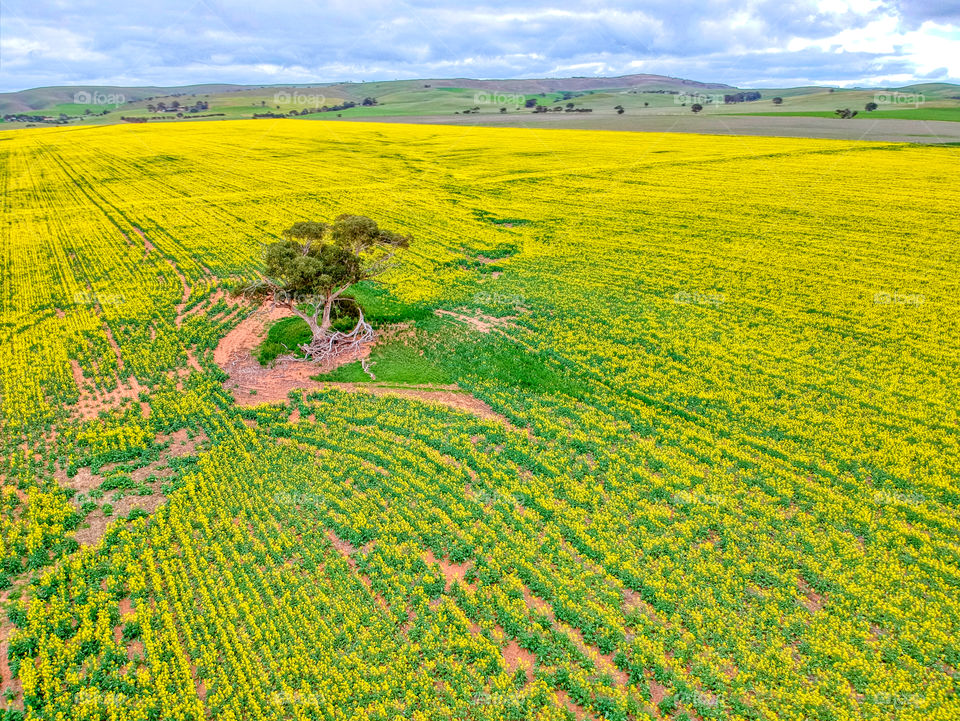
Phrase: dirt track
x=884 y=130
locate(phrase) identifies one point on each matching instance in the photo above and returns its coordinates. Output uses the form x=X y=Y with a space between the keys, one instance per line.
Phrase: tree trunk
x=315 y=329
x=327 y=308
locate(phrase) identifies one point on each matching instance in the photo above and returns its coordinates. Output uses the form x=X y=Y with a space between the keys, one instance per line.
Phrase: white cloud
x=740 y=42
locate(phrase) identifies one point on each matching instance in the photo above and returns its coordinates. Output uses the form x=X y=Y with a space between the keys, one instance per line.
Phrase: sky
x=747 y=43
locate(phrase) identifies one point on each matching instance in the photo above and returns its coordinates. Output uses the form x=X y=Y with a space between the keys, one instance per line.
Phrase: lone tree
x=870 y=107
x=778 y=101
x=315 y=263
x=696 y=107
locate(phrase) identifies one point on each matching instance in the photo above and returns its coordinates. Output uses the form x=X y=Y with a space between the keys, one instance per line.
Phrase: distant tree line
x=176 y=107
x=744 y=97
x=61 y=119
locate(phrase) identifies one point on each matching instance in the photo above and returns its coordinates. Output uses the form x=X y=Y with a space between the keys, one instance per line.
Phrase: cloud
x=760 y=42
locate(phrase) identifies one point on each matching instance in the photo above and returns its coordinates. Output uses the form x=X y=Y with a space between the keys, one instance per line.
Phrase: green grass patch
x=393 y=363
x=487 y=217
x=284 y=336
x=380 y=306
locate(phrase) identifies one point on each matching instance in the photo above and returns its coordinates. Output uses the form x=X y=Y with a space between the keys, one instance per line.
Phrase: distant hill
x=555 y=85
x=644 y=94
x=25 y=101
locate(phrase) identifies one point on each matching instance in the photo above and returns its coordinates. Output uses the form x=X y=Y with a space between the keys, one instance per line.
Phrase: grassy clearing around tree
x=392 y=363
x=284 y=336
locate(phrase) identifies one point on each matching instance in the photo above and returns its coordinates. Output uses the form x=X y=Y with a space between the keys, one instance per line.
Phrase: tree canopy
x=316 y=262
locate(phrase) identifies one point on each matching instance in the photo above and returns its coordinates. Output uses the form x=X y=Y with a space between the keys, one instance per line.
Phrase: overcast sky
x=758 y=43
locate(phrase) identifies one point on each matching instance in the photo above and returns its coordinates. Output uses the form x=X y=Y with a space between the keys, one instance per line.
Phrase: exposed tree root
x=331 y=345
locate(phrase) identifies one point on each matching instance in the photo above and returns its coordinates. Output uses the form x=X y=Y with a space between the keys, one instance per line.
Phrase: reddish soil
x=93 y=400
x=578 y=711
x=603 y=662
x=658 y=691
x=6 y=677
x=198 y=683
x=185 y=296
x=451 y=571
x=96 y=523
x=517 y=657
x=346 y=549
x=251 y=383
x=6 y=629
x=479 y=322
x=813 y=601
x=114 y=345
x=126 y=608
x=147 y=245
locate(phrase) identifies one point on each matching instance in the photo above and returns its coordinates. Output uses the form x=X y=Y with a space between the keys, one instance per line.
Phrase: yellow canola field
x=728 y=489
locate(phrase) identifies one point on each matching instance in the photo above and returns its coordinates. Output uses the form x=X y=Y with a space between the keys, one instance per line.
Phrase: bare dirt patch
x=151 y=475
x=812 y=600
x=134 y=649
x=578 y=711
x=603 y=661
x=147 y=245
x=126 y=609
x=347 y=549
x=184 y=296
x=658 y=691
x=251 y=384
x=478 y=322
x=516 y=657
x=94 y=400
x=6 y=675
x=452 y=572
x=655 y=121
